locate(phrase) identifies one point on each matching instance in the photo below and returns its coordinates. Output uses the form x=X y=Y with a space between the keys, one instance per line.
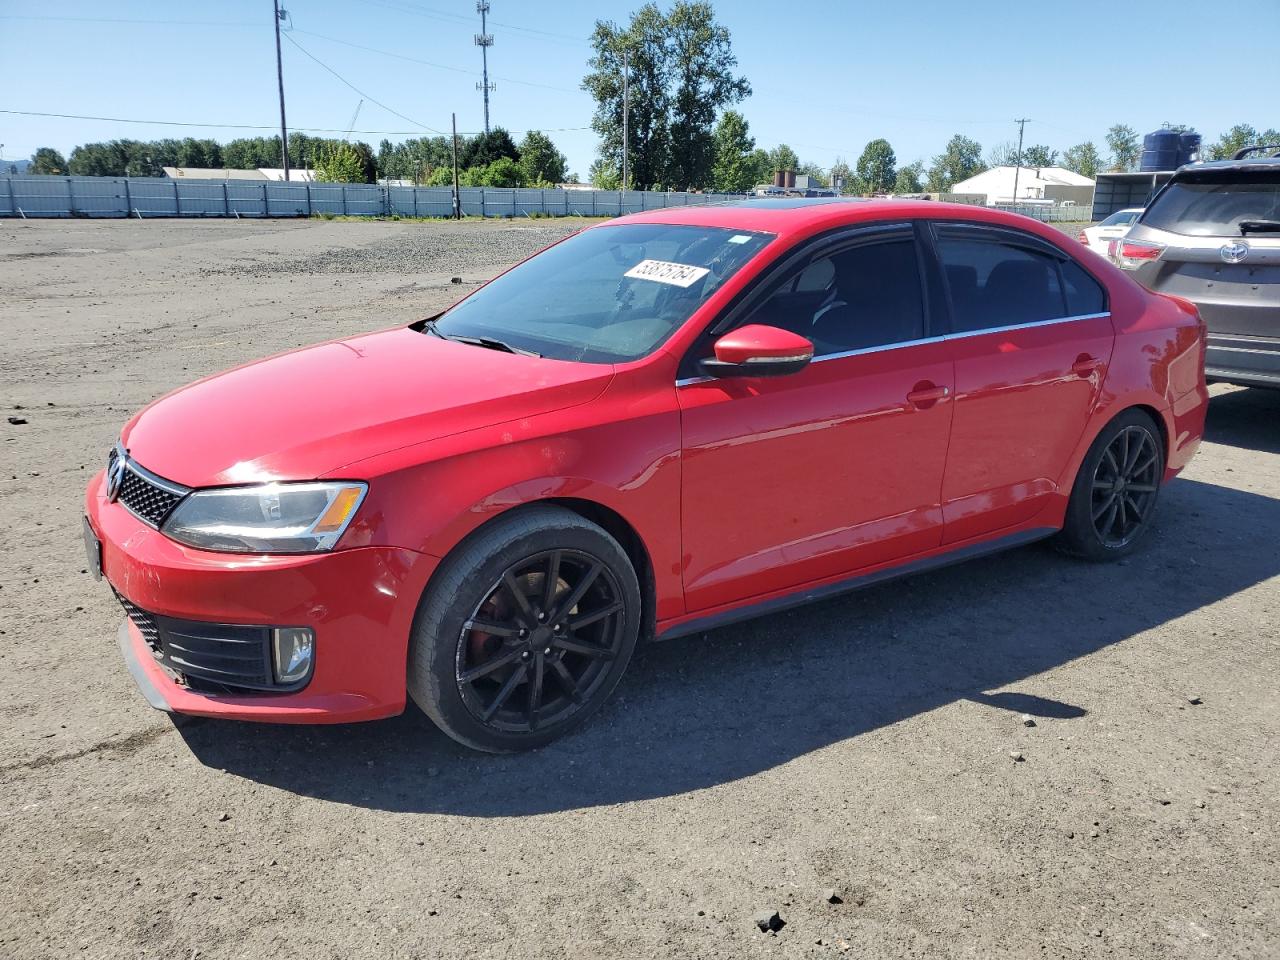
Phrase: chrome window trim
x=938 y=339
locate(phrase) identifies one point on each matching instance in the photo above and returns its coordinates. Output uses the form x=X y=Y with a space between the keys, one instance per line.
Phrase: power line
x=175 y=23
x=430 y=63
x=433 y=14
x=261 y=126
x=367 y=96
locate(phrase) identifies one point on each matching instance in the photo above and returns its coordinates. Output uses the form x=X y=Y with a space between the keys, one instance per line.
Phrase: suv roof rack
x=1271 y=150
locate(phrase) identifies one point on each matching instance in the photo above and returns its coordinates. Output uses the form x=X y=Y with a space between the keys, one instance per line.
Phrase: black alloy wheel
x=539 y=645
x=1125 y=482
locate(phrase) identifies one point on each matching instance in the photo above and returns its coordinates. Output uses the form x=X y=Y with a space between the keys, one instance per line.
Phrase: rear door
x=1031 y=338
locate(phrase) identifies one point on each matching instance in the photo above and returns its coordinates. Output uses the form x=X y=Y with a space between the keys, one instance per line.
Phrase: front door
x=836 y=468
x=1031 y=338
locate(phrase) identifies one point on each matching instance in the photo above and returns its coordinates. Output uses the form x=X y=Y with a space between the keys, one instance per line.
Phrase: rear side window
x=995 y=283
x=1213 y=204
x=1084 y=294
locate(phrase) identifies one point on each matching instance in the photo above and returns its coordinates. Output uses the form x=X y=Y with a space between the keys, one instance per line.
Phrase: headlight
x=269 y=518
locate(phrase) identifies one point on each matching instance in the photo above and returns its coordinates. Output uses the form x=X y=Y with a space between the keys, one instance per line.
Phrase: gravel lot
x=862 y=744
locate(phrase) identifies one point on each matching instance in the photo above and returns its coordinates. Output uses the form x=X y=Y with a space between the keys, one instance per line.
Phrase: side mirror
x=758 y=351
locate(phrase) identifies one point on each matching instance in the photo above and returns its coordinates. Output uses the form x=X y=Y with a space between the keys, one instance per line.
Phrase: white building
x=1033 y=183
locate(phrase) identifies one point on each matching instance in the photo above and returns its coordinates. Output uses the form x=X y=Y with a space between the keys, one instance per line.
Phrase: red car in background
x=659 y=425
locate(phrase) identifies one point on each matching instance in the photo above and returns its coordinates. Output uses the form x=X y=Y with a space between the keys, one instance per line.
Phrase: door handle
x=1085 y=366
x=927 y=394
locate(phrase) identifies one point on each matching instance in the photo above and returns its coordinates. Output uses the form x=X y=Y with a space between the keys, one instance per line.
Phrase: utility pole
x=1022 y=123
x=457 y=203
x=484 y=40
x=626 y=110
x=284 y=133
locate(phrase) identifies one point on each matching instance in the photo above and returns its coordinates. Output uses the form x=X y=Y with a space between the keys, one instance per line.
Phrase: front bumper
x=359 y=602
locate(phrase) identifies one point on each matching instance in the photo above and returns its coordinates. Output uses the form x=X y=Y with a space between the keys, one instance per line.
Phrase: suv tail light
x=1131 y=254
x=1082 y=238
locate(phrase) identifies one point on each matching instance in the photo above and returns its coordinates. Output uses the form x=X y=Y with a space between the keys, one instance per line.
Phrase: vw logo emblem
x=115 y=478
x=1234 y=252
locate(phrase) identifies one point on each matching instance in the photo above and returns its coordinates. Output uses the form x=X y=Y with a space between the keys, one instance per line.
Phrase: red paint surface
x=739 y=490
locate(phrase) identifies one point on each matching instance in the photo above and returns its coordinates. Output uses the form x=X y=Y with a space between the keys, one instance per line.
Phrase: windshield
x=1119 y=219
x=1213 y=206
x=605 y=295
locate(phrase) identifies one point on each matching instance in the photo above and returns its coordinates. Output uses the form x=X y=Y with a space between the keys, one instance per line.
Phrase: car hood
x=307 y=413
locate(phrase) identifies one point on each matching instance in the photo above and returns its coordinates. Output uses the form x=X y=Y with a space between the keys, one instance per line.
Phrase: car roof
x=795 y=217
x=1248 y=164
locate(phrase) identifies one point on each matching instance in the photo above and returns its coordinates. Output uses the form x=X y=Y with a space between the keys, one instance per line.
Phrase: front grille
x=148 y=497
x=207 y=657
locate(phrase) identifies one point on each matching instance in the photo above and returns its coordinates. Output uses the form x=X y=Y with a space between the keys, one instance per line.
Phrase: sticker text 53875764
x=661 y=271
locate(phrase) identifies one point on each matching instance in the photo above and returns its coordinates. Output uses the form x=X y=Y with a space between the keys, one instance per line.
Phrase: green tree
x=48 y=162
x=761 y=165
x=485 y=148
x=339 y=163
x=783 y=157
x=503 y=172
x=910 y=178
x=1083 y=158
x=250 y=153
x=735 y=170
x=877 y=167
x=1122 y=141
x=540 y=161
x=680 y=69
x=961 y=160
x=1038 y=155
x=604 y=176
x=1237 y=138
x=1003 y=154
x=702 y=66
x=814 y=172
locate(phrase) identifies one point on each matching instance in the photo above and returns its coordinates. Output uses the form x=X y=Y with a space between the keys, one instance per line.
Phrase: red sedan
x=659 y=425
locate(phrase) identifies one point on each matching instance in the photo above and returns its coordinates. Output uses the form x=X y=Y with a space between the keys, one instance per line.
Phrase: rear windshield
x=1212 y=205
x=1117 y=219
x=605 y=295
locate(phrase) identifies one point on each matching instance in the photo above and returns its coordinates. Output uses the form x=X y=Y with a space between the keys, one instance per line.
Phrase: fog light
x=293 y=649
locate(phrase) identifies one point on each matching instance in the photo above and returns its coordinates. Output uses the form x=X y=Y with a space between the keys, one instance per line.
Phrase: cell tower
x=484 y=40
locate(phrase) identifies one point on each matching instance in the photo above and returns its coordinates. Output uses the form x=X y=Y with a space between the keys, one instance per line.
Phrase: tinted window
x=998 y=284
x=604 y=295
x=863 y=296
x=1212 y=204
x=1084 y=294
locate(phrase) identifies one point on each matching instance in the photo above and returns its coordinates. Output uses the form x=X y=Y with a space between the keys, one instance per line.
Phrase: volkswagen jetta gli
x=659 y=425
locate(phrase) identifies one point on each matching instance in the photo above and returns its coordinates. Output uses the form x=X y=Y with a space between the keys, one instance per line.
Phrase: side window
x=1084 y=294
x=867 y=295
x=998 y=284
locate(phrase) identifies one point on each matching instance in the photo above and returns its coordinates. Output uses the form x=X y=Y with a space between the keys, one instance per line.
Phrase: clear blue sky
x=827 y=77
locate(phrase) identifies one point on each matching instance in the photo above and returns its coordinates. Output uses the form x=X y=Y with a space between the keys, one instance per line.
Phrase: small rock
x=1200 y=804
x=1163 y=801
x=1028 y=720
x=223 y=817
x=1193 y=700
x=17 y=421
x=1071 y=834
x=1016 y=756
x=1093 y=833
x=769 y=921
x=831 y=895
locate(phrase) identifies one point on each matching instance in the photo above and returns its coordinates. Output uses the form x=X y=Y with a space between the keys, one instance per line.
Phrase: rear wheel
x=1114 y=497
x=524 y=631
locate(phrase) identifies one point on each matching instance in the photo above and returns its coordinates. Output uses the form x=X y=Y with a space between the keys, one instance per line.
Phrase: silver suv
x=1212 y=236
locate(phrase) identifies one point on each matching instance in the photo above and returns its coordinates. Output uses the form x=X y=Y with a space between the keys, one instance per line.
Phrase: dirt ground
x=861 y=744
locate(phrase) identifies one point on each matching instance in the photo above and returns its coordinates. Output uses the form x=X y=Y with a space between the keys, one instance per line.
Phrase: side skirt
x=802 y=596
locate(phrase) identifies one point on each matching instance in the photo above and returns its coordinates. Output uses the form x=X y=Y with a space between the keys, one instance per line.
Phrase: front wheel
x=1114 y=497
x=524 y=631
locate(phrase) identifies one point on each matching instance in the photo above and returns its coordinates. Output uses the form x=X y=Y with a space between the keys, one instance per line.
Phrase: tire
x=1113 y=500
x=540 y=668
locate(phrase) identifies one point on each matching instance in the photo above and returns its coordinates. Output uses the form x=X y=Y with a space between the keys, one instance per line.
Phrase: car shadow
x=712 y=708
x=1249 y=419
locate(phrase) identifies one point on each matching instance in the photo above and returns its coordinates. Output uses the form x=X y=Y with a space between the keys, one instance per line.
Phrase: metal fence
x=1051 y=213
x=157 y=197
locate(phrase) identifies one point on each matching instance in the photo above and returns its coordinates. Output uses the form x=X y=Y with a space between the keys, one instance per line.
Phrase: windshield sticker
x=660 y=271
x=740 y=238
